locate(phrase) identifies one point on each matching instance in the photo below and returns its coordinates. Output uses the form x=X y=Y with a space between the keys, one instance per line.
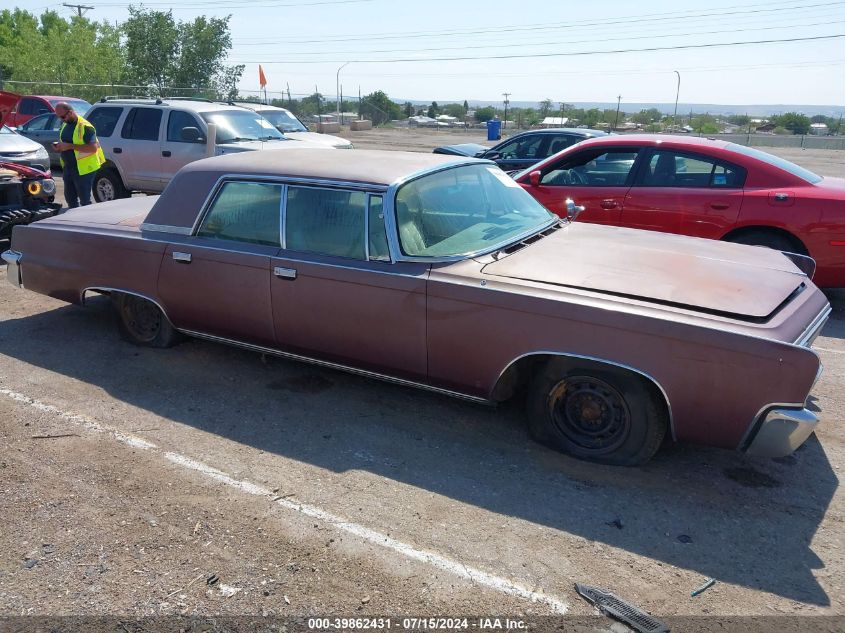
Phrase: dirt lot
x=131 y=478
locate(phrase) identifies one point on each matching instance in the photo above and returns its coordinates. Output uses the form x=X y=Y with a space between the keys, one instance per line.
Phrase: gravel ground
x=131 y=479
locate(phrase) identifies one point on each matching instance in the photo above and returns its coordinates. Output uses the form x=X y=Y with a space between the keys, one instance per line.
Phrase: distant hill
x=756 y=110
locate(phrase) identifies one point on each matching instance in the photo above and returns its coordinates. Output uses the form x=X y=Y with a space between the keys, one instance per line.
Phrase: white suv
x=147 y=141
x=287 y=123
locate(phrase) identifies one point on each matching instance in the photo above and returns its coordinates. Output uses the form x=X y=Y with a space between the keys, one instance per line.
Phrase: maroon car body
x=441 y=272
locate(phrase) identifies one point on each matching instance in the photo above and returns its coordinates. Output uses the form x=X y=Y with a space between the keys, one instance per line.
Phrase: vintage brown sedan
x=442 y=273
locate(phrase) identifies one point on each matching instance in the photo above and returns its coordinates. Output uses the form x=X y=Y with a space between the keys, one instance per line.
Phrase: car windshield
x=283 y=121
x=79 y=106
x=465 y=210
x=242 y=125
x=792 y=168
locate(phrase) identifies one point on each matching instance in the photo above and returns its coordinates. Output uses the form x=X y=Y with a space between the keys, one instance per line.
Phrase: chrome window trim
x=382 y=196
x=355 y=268
x=806 y=338
x=210 y=205
x=346 y=368
x=165 y=228
x=605 y=361
x=281 y=180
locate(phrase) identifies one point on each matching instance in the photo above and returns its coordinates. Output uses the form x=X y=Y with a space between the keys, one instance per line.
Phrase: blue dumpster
x=494 y=130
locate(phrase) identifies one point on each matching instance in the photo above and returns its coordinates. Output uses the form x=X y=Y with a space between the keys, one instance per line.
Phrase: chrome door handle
x=182 y=257
x=284 y=273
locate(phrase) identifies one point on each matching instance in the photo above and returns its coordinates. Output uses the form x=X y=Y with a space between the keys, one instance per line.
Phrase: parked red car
x=700 y=187
x=32 y=105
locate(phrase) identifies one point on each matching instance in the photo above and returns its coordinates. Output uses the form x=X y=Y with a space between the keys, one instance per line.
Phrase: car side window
x=37 y=124
x=595 y=168
x=142 y=124
x=377 y=236
x=674 y=169
x=325 y=221
x=176 y=122
x=528 y=147
x=27 y=106
x=104 y=120
x=245 y=212
x=559 y=143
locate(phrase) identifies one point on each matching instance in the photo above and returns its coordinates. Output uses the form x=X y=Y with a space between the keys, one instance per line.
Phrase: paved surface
x=128 y=477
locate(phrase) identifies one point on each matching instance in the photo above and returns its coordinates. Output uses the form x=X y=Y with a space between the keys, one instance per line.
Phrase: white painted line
x=476 y=576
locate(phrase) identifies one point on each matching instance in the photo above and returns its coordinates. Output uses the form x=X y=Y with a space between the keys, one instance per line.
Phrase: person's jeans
x=77 y=188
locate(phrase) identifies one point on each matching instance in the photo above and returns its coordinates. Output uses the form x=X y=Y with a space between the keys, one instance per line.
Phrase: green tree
x=545 y=108
x=433 y=110
x=409 y=109
x=378 y=108
x=454 y=109
x=739 y=119
x=168 y=54
x=485 y=114
x=645 y=117
x=704 y=124
x=793 y=121
x=466 y=106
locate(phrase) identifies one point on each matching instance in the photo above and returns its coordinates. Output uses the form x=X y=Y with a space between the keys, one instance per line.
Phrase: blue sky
x=560 y=51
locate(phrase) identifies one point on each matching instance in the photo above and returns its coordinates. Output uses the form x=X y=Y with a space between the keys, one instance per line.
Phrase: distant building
x=554 y=121
x=819 y=129
x=766 y=128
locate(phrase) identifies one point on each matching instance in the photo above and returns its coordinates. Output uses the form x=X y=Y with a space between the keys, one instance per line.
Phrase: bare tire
x=769 y=239
x=107 y=186
x=142 y=322
x=601 y=415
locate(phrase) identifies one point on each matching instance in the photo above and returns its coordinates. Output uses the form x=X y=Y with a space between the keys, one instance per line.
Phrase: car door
x=217 y=281
x=138 y=150
x=43 y=129
x=176 y=152
x=336 y=294
x=597 y=178
x=684 y=192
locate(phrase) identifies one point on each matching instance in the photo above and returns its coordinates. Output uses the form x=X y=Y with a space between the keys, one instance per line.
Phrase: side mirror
x=191 y=135
x=572 y=209
x=534 y=177
x=490 y=155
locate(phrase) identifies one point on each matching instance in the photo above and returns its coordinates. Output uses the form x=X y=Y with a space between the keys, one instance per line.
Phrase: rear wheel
x=142 y=322
x=108 y=186
x=596 y=413
x=769 y=239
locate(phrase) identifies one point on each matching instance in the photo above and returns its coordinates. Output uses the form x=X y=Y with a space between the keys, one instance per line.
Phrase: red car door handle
x=609 y=204
x=719 y=205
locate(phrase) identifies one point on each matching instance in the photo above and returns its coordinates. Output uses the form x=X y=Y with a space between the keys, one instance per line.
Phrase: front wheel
x=769 y=239
x=107 y=186
x=142 y=322
x=602 y=415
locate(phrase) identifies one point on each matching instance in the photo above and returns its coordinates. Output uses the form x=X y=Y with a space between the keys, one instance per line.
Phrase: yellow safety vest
x=85 y=163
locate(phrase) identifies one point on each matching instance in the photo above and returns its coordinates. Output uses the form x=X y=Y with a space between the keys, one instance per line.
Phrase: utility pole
x=562 y=109
x=78 y=7
x=290 y=103
x=677 y=92
x=618 y=103
x=506 y=95
x=338 y=90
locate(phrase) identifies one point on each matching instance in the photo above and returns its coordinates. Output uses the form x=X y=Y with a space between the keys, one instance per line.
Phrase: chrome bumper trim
x=812 y=331
x=13 y=267
x=781 y=431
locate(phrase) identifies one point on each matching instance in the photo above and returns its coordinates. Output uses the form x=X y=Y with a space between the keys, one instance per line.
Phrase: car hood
x=464 y=149
x=315 y=139
x=14 y=143
x=745 y=282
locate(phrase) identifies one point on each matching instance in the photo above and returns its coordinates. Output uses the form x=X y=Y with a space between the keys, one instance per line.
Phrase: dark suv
x=524 y=149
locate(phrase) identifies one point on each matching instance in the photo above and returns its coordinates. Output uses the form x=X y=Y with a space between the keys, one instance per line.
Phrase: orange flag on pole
x=262 y=80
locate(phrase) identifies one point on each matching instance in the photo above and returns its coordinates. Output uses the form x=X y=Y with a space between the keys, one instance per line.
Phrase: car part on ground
x=623 y=611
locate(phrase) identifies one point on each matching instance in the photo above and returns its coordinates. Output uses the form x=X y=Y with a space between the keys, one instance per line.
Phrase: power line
x=499 y=45
x=652 y=17
x=543 y=55
x=78 y=7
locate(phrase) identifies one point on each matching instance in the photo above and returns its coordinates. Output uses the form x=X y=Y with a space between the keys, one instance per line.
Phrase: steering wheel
x=575 y=178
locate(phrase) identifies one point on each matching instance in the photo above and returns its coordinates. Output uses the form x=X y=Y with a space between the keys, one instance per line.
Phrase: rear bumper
x=781 y=431
x=13 y=267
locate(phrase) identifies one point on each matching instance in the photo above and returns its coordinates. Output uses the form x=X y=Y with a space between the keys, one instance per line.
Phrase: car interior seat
x=410 y=235
x=663 y=174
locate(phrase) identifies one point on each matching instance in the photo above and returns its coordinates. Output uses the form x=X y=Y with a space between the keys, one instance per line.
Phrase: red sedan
x=699 y=187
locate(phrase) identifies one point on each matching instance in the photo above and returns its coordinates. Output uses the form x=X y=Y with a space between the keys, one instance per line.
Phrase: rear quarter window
x=142 y=124
x=104 y=120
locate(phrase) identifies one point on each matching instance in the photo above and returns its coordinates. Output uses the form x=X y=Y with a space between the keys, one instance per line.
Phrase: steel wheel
x=104 y=189
x=590 y=413
x=141 y=317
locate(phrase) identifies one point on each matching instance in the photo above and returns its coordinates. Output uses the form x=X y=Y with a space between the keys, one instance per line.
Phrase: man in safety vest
x=81 y=155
